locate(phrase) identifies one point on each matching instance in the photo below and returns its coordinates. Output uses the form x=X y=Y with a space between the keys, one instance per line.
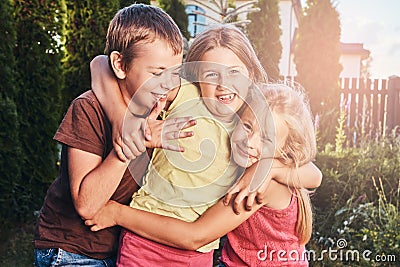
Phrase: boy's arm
x=255 y=181
x=93 y=181
x=180 y=234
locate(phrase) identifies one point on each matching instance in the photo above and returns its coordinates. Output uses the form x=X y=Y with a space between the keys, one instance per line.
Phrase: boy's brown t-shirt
x=85 y=127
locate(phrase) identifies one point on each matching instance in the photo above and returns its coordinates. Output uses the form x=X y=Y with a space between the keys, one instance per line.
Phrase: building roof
x=354 y=49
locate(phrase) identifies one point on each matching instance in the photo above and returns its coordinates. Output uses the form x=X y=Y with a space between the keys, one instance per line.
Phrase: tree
x=267 y=41
x=176 y=9
x=7 y=44
x=38 y=53
x=317 y=54
x=86 y=29
x=124 y=3
x=227 y=11
x=10 y=170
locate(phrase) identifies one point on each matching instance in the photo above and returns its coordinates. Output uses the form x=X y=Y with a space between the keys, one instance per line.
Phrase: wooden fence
x=372 y=106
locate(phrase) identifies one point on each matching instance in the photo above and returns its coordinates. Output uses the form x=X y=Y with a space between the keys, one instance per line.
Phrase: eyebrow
x=218 y=69
x=164 y=68
x=157 y=67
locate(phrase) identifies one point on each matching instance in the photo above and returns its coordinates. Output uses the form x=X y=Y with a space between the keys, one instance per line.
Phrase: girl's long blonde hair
x=300 y=147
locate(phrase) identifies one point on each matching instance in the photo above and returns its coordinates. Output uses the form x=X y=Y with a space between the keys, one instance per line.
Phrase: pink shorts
x=137 y=251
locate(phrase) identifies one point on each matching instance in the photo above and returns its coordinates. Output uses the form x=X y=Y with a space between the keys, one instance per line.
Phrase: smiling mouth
x=226 y=99
x=245 y=154
x=159 y=96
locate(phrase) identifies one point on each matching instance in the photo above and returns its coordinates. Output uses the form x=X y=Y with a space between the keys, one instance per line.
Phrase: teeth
x=160 y=96
x=226 y=97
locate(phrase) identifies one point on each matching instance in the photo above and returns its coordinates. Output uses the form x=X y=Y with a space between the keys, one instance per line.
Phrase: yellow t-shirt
x=184 y=185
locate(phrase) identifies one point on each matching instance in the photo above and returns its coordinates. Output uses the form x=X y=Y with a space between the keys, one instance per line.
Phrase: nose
x=169 y=81
x=250 y=141
x=166 y=82
x=253 y=141
x=225 y=83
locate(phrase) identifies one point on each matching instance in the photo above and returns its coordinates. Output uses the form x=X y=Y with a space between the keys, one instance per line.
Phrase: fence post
x=393 y=104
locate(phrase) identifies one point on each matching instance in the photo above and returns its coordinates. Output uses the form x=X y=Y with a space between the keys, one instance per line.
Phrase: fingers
x=250 y=201
x=133 y=138
x=227 y=198
x=120 y=154
x=93 y=227
x=133 y=146
x=230 y=193
x=156 y=111
x=189 y=123
x=161 y=105
x=238 y=201
x=176 y=135
x=180 y=123
x=259 y=198
x=173 y=148
x=118 y=149
x=147 y=133
x=172 y=129
x=146 y=129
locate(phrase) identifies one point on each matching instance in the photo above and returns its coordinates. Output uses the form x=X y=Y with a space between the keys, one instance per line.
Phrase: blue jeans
x=58 y=257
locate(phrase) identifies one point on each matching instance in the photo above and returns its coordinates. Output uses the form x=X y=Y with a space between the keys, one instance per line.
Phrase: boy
x=142 y=41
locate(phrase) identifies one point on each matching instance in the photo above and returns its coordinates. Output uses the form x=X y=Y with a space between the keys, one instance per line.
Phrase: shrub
x=85 y=33
x=358 y=198
x=38 y=53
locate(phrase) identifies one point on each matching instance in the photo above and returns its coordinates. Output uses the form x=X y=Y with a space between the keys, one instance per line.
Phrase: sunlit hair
x=232 y=38
x=291 y=105
x=137 y=25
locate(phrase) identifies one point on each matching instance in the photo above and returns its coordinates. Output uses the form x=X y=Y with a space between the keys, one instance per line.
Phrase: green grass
x=16 y=245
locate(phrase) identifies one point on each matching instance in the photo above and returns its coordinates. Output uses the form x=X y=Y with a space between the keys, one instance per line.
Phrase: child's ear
x=117 y=66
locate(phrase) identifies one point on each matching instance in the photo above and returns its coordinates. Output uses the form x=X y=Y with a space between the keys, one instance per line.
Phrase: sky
x=373 y=23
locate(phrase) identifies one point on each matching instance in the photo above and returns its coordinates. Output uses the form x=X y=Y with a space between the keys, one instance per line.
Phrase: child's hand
x=132 y=137
x=251 y=187
x=158 y=132
x=105 y=217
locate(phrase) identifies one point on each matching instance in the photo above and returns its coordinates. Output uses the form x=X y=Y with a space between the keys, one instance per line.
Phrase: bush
x=10 y=164
x=86 y=29
x=38 y=53
x=358 y=200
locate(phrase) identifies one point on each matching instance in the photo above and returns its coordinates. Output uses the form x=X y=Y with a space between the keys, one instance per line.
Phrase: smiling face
x=153 y=73
x=224 y=82
x=250 y=142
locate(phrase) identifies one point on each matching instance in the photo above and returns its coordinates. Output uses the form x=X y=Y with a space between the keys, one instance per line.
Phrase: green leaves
x=264 y=32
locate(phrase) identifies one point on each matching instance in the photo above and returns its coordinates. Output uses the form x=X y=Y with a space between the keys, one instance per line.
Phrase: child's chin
x=242 y=162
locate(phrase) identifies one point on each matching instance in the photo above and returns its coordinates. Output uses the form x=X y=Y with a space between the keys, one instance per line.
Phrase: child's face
x=224 y=82
x=249 y=144
x=153 y=73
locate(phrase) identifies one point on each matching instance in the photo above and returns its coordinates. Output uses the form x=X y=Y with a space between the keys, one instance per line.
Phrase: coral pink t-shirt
x=267 y=238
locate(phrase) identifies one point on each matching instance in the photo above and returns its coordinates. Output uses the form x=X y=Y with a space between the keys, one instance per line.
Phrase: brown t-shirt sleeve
x=82 y=126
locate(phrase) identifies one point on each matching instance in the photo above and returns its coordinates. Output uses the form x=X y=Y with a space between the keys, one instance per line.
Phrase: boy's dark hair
x=138 y=24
